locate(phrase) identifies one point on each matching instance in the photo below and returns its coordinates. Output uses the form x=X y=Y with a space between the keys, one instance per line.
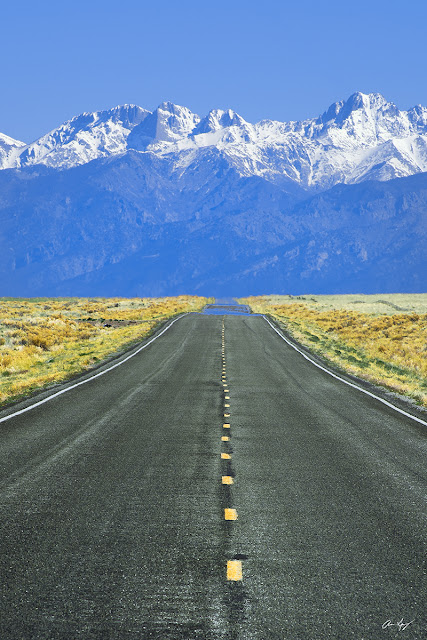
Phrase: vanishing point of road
x=217 y=486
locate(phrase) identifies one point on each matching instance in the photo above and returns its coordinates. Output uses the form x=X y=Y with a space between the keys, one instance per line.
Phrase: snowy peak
x=7 y=141
x=127 y=116
x=364 y=117
x=168 y=123
x=84 y=138
x=218 y=119
x=418 y=118
x=341 y=111
x=9 y=150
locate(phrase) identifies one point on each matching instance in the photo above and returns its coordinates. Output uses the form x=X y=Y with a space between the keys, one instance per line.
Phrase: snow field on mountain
x=363 y=138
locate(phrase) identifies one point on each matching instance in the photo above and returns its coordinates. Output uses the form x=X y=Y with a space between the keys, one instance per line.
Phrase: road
x=113 y=500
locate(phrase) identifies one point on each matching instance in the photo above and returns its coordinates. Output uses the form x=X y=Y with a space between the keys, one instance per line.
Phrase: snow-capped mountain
x=168 y=123
x=363 y=138
x=132 y=202
x=9 y=150
x=82 y=139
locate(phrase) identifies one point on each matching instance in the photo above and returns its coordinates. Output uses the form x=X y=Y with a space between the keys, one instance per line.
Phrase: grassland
x=381 y=338
x=44 y=341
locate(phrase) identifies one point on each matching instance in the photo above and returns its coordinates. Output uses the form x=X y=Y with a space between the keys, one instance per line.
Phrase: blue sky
x=265 y=59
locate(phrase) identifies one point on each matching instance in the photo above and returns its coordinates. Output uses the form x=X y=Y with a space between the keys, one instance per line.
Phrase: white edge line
x=97 y=375
x=350 y=384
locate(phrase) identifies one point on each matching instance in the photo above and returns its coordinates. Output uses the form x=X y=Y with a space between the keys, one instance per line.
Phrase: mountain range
x=132 y=202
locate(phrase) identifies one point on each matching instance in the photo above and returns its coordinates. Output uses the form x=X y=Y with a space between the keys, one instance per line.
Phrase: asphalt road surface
x=129 y=511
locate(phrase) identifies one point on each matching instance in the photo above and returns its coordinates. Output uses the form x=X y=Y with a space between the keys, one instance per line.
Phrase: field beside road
x=381 y=338
x=44 y=341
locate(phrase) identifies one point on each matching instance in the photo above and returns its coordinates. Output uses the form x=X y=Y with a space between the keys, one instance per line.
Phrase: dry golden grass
x=381 y=338
x=46 y=340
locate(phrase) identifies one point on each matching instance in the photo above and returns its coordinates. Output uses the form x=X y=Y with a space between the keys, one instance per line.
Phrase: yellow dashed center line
x=234 y=567
x=234 y=570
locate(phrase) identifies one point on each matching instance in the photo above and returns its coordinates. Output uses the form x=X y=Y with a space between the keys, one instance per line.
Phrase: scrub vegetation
x=46 y=340
x=381 y=338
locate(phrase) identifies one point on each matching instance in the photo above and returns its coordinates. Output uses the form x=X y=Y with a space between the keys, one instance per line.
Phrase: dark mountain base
x=130 y=227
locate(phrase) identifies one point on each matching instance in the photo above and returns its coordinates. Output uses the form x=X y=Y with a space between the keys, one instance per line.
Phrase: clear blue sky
x=265 y=59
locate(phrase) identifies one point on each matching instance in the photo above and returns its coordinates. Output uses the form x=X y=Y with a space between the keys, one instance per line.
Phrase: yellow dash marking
x=226 y=406
x=234 y=570
x=226 y=425
x=227 y=397
x=230 y=514
x=225 y=456
x=227 y=480
x=225 y=438
x=226 y=390
x=226 y=415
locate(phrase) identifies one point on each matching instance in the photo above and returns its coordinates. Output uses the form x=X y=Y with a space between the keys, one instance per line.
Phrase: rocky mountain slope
x=131 y=225
x=128 y=202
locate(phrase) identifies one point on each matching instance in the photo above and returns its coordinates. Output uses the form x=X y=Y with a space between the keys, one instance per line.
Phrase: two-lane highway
x=113 y=506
